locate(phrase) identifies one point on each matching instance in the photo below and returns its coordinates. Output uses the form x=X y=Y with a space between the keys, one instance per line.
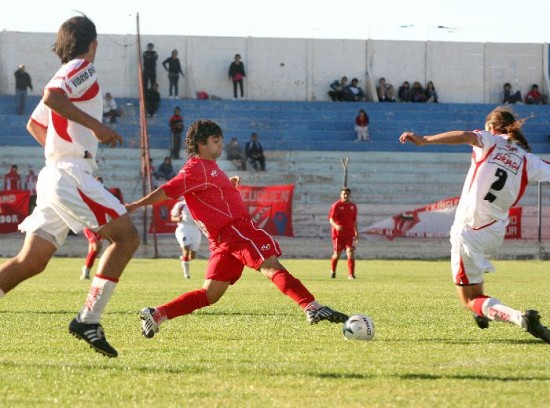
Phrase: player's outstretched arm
x=452 y=137
x=153 y=197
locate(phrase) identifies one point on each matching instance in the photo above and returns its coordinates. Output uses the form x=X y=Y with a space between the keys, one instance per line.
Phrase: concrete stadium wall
x=293 y=69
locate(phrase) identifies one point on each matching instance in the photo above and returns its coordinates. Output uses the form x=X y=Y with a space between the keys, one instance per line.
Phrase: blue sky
x=434 y=20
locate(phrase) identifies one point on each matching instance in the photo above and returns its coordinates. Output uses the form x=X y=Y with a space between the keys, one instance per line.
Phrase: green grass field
x=255 y=349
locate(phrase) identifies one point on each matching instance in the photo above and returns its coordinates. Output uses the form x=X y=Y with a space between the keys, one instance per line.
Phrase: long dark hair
x=198 y=132
x=505 y=121
x=74 y=38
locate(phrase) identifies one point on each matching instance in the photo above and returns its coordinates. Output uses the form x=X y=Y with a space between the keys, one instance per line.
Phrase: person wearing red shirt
x=235 y=242
x=12 y=179
x=362 y=126
x=343 y=220
x=534 y=97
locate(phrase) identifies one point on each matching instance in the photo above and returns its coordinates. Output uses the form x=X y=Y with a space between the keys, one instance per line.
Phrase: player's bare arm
x=60 y=103
x=452 y=137
x=37 y=131
x=235 y=180
x=150 y=199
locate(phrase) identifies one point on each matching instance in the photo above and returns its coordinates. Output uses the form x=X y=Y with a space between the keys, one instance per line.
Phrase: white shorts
x=189 y=235
x=470 y=250
x=69 y=198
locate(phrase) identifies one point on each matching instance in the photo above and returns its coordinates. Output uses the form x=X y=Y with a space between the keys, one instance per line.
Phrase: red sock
x=186 y=303
x=185 y=259
x=351 y=267
x=292 y=287
x=333 y=264
x=478 y=304
x=90 y=259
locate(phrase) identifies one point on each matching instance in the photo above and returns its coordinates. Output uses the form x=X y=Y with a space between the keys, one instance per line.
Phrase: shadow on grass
x=431 y=376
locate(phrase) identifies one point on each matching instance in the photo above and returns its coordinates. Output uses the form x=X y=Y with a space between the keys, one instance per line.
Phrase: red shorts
x=341 y=243
x=239 y=244
x=93 y=237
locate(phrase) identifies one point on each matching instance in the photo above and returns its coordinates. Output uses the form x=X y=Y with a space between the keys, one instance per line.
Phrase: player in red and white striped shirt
x=235 y=242
x=501 y=168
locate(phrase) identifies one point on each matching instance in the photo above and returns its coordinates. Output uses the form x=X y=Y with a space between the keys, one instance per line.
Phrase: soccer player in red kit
x=235 y=242
x=343 y=219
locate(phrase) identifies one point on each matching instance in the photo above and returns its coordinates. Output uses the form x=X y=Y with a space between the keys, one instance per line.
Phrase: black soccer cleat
x=481 y=321
x=314 y=316
x=92 y=333
x=535 y=327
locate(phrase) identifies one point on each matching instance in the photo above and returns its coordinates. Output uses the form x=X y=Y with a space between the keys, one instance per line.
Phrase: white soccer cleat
x=148 y=325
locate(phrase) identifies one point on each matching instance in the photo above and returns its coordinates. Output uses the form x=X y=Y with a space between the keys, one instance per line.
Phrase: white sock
x=313 y=306
x=101 y=291
x=1 y=293
x=494 y=310
x=185 y=265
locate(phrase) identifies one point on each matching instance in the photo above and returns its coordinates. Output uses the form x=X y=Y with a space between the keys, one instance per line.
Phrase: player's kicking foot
x=92 y=333
x=535 y=327
x=481 y=321
x=332 y=275
x=315 y=315
x=148 y=325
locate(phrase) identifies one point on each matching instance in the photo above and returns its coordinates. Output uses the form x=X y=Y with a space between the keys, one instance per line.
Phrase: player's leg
x=30 y=261
x=337 y=251
x=186 y=258
x=94 y=248
x=350 y=253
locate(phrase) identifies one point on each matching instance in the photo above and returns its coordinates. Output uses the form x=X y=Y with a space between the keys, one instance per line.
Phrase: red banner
x=270 y=207
x=14 y=207
x=161 y=217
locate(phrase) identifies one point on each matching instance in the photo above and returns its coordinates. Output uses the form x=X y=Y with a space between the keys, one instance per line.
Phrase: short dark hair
x=345 y=189
x=198 y=132
x=74 y=38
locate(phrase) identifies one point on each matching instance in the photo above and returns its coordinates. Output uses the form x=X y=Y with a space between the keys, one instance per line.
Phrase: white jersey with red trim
x=67 y=139
x=497 y=179
x=181 y=210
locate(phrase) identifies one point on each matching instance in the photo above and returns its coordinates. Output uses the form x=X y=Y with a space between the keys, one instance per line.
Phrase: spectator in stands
x=173 y=67
x=417 y=93
x=430 y=93
x=23 y=82
x=166 y=170
x=176 y=127
x=152 y=100
x=255 y=153
x=30 y=186
x=237 y=74
x=385 y=91
x=362 y=126
x=404 y=92
x=150 y=58
x=354 y=93
x=338 y=90
x=110 y=109
x=508 y=96
x=534 y=97
x=235 y=154
x=12 y=179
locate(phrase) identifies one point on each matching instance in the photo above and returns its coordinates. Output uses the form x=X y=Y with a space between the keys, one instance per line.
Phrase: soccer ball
x=358 y=327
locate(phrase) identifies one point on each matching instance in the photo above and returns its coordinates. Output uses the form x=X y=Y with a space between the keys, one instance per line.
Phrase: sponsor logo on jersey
x=506 y=159
x=214 y=173
x=265 y=247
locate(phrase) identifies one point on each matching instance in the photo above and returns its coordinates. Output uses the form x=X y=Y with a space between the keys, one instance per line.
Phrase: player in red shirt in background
x=12 y=179
x=343 y=219
x=235 y=242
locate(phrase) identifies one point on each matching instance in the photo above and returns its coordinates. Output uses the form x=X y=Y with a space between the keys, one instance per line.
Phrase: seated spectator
x=508 y=96
x=12 y=179
x=235 y=154
x=110 y=109
x=152 y=100
x=165 y=170
x=338 y=90
x=255 y=153
x=430 y=93
x=362 y=126
x=417 y=93
x=534 y=97
x=354 y=93
x=404 y=92
x=385 y=91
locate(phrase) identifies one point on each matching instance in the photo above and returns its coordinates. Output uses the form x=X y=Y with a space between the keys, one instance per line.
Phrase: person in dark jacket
x=237 y=74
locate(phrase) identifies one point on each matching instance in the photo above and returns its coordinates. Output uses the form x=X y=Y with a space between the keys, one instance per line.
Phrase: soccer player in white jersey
x=501 y=168
x=187 y=233
x=67 y=122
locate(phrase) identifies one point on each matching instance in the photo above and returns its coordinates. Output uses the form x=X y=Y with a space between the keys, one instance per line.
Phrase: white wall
x=293 y=69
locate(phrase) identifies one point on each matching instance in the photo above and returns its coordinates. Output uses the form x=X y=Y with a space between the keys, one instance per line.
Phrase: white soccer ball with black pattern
x=358 y=327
